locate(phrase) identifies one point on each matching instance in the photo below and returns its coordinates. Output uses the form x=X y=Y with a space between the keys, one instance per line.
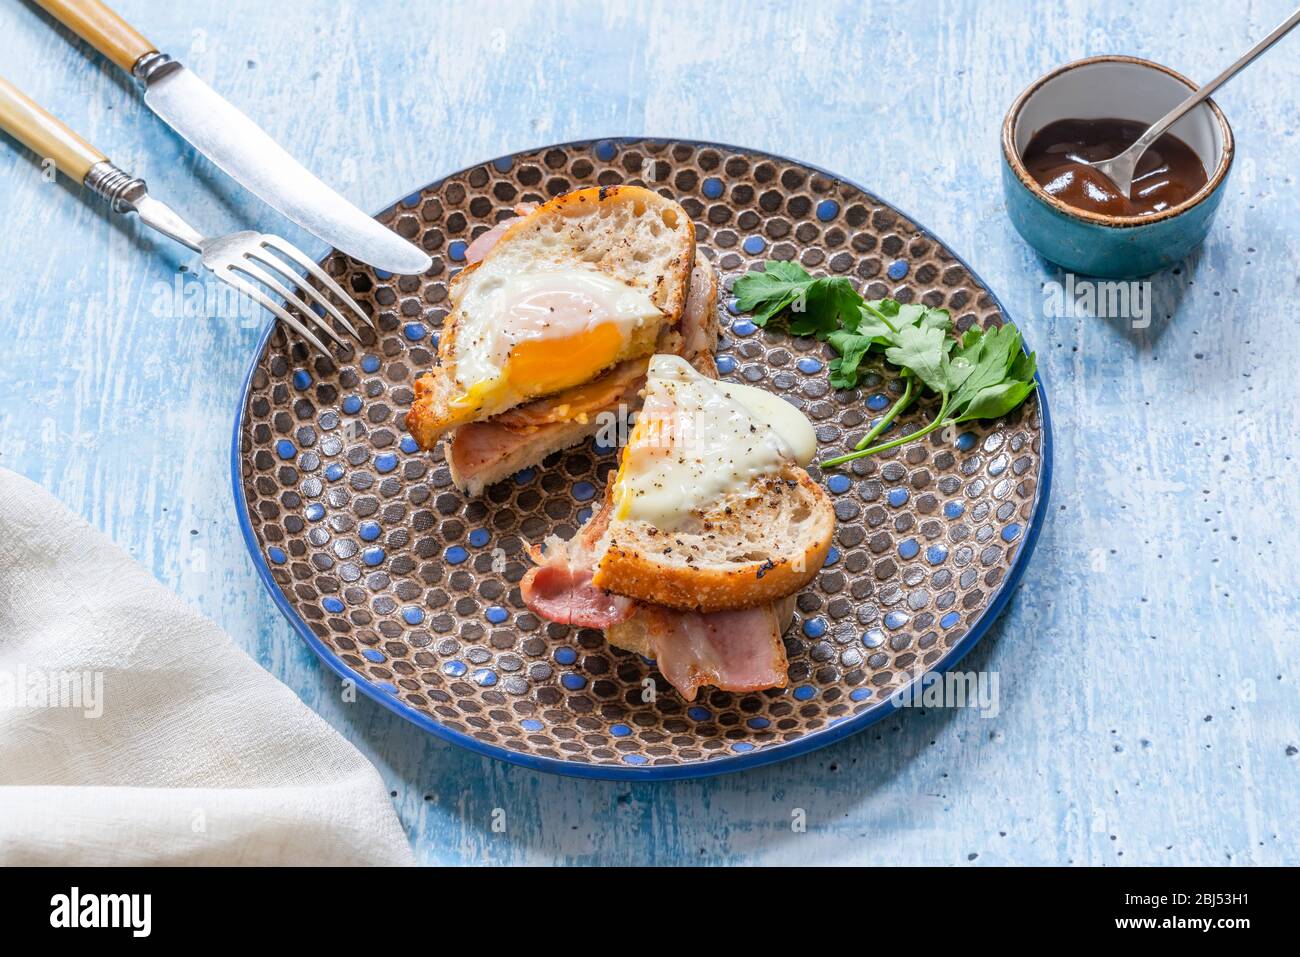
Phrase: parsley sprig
x=980 y=375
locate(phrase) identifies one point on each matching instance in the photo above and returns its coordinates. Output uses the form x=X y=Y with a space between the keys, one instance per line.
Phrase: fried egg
x=698 y=440
x=538 y=331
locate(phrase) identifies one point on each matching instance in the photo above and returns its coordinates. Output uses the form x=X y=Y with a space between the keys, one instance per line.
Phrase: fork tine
x=247 y=288
x=250 y=268
x=297 y=255
x=315 y=295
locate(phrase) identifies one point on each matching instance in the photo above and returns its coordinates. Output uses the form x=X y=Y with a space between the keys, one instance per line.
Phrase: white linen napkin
x=133 y=731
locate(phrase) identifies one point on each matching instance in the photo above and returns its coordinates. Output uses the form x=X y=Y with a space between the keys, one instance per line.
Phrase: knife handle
x=25 y=120
x=103 y=29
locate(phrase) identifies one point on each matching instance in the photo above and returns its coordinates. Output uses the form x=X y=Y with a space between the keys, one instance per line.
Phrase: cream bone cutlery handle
x=28 y=122
x=103 y=29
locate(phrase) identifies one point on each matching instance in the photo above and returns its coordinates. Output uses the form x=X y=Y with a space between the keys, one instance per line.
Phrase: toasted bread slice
x=749 y=549
x=633 y=236
x=711 y=509
x=482 y=453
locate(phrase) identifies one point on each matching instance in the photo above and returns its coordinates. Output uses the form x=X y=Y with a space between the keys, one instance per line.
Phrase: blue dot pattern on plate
x=456 y=251
x=351 y=462
x=524 y=476
x=373 y=556
x=285 y=449
x=897 y=269
x=935 y=554
x=896 y=620
x=897 y=497
x=966 y=441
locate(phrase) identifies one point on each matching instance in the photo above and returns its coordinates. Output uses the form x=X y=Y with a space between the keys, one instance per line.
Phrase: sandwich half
x=481 y=453
x=565 y=293
x=709 y=528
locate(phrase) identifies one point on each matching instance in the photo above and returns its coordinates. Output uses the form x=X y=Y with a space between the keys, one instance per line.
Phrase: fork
x=237 y=259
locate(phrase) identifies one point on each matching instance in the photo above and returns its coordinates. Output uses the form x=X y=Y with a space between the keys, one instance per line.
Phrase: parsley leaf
x=982 y=374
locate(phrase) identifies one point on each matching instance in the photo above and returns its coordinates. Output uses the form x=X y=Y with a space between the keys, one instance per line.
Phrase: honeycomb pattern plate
x=410 y=589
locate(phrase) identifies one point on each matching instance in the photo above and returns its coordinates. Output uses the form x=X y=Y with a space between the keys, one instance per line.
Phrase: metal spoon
x=1120 y=169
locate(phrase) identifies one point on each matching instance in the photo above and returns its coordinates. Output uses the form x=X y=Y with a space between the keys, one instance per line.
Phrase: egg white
x=698 y=440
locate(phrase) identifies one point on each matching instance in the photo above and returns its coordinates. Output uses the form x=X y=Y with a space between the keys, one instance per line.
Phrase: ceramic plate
x=409 y=588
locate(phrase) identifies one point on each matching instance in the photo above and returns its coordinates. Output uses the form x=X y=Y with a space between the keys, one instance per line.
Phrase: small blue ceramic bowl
x=1096 y=244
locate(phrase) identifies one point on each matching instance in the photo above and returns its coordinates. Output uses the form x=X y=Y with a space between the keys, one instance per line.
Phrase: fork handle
x=26 y=121
x=103 y=29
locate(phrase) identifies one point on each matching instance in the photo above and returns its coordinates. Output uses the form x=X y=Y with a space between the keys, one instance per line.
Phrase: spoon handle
x=1174 y=115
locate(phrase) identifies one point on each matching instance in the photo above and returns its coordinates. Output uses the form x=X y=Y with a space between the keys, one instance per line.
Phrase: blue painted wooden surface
x=1148 y=663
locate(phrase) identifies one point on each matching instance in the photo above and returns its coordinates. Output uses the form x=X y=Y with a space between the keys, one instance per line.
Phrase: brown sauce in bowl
x=1169 y=172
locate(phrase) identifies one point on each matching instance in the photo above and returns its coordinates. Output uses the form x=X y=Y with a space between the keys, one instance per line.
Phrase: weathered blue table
x=1149 y=709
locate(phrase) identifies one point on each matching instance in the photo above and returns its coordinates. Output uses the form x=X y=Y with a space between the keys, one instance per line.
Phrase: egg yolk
x=554 y=363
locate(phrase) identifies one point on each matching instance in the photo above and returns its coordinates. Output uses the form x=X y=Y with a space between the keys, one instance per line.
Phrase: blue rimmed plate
x=401 y=583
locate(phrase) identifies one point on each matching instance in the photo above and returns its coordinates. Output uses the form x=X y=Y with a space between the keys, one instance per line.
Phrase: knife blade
x=248 y=154
x=235 y=143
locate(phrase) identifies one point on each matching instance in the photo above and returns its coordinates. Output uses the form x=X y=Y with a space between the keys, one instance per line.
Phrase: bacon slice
x=479 y=247
x=559 y=588
x=731 y=650
x=564 y=593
